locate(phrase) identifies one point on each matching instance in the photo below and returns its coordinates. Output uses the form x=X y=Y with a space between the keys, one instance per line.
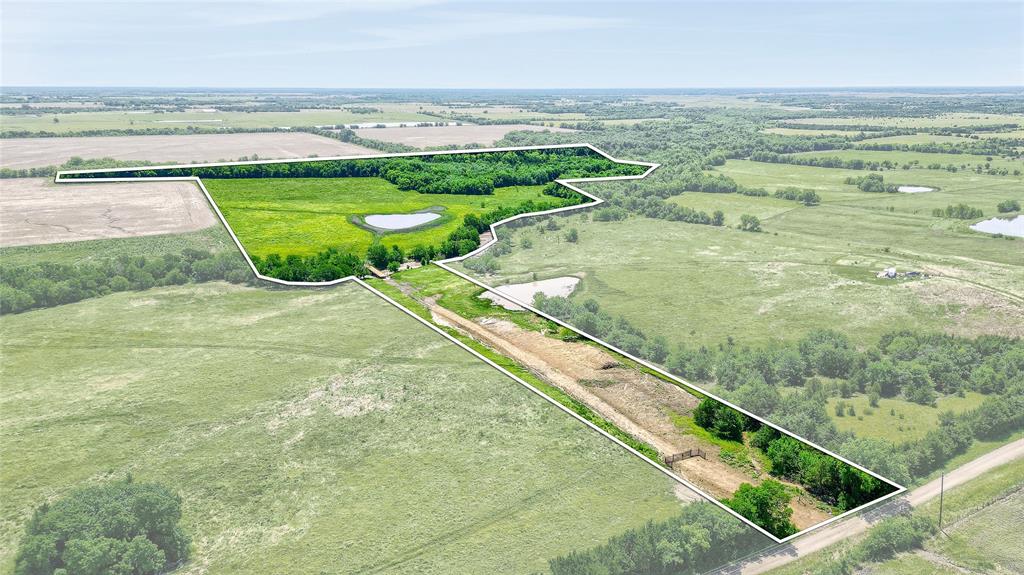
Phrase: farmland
x=434 y=136
x=308 y=455
x=19 y=153
x=947 y=120
x=38 y=211
x=307 y=215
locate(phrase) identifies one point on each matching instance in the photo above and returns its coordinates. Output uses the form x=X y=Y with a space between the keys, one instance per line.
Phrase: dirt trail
x=635 y=402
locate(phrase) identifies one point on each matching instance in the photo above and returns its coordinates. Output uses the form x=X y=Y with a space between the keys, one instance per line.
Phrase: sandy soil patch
x=524 y=292
x=37 y=211
x=428 y=136
x=37 y=152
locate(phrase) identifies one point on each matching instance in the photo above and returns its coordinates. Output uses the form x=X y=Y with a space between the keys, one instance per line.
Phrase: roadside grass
x=80 y=121
x=214 y=239
x=303 y=216
x=897 y=420
x=363 y=443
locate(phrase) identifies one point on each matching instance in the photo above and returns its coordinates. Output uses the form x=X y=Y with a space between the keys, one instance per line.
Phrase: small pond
x=560 y=287
x=400 y=221
x=914 y=189
x=1008 y=227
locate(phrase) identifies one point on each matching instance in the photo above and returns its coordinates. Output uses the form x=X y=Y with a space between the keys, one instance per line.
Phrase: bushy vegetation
x=327 y=265
x=74 y=163
x=872 y=183
x=766 y=505
x=49 y=284
x=701 y=537
x=1008 y=206
x=804 y=196
x=959 y=212
x=121 y=528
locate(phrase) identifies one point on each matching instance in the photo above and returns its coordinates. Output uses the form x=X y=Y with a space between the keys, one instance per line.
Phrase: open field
x=940 y=121
x=922 y=158
x=896 y=420
x=80 y=121
x=306 y=215
x=37 y=211
x=429 y=136
x=365 y=443
x=38 y=152
x=213 y=239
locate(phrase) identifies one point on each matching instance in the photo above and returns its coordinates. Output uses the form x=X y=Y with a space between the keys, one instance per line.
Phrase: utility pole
x=942 y=489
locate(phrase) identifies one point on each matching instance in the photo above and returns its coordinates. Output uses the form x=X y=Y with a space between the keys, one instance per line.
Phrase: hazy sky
x=486 y=44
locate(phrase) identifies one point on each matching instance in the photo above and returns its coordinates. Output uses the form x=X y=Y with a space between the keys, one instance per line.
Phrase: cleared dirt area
x=428 y=136
x=17 y=153
x=37 y=211
x=635 y=402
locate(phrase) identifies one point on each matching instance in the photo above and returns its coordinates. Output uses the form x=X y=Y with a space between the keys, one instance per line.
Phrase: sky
x=493 y=44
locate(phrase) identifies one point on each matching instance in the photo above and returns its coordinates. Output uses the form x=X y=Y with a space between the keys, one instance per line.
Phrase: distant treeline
x=944 y=130
x=916 y=367
x=874 y=165
x=151 y=131
x=74 y=163
x=50 y=284
x=438 y=174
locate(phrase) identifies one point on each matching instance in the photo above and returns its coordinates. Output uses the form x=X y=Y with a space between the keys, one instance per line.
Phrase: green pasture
x=961 y=161
x=79 y=121
x=896 y=420
x=955 y=119
x=213 y=239
x=304 y=216
x=306 y=432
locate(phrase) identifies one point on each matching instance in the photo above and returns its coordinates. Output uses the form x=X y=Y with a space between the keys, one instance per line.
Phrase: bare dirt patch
x=427 y=136
x=17 y=153
x=972 y=310
x=37 y=211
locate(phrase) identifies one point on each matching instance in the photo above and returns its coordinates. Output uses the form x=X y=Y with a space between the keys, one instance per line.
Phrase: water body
x=914 y=189
x=400 y=221
x=555 y=287
x=1011 y=227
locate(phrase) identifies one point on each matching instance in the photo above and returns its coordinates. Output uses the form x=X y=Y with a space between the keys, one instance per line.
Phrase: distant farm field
x=306 y=431
x=19 y=153
x=939 y=121
x=38 y=211
x=79 y=121
x=306 y=215
x=430 y=136
x=961 y=161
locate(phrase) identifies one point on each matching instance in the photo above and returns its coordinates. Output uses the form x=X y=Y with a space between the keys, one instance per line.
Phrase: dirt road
x=822 y=538
x=635 y=402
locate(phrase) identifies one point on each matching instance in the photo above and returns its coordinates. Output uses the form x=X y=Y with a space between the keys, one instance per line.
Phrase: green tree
x=377 y=254
x=749 y=223
x=767 y=505
x=120 y=528
x=718 y=218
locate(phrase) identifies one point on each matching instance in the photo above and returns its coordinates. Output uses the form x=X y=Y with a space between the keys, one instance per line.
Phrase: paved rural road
x=822 y=538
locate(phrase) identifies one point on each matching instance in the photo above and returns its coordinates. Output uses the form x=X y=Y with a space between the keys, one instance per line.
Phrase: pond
x=400 y=221
x=524 y=292
x=914 y=189
x=1008 y=227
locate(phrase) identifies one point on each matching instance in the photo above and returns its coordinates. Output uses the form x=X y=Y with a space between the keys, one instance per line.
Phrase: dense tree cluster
x=804 y=196
x=49 y=284
x=766 y=505
x=433 y=174
x=328 y=265
x=121 y=528
x=1008 y=206
x=700 y=538
x=959 y=212
x=872 y=183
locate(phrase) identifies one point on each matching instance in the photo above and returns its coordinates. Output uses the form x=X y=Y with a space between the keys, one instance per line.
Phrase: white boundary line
x=494 y=238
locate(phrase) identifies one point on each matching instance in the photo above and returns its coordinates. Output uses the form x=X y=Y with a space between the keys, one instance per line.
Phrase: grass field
x=896 y=420
x=307 y=215
x=80 y=121
x=939 y=121
x=306 y=431
x=214 y=239
x=923 y=159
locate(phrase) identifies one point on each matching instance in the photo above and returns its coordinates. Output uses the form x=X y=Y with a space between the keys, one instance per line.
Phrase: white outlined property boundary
x=569 y=183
